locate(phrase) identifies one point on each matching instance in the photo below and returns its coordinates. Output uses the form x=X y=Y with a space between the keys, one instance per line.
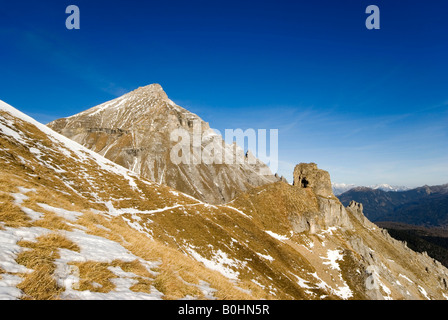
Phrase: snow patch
x=333 y=256
x=277 y=236
x=265 y=256
x=66 y=214
x=219 y=262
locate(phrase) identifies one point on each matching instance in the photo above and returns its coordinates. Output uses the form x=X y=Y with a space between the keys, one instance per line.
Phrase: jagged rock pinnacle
x=307 y=175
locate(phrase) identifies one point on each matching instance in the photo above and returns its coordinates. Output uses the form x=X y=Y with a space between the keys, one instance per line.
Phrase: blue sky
x=369 y=106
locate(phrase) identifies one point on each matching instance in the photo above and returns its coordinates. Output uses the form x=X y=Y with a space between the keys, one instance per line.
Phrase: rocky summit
x=75 y=225
x=135 y=130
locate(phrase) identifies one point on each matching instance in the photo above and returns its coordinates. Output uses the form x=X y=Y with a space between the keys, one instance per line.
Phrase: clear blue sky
x=369 y=106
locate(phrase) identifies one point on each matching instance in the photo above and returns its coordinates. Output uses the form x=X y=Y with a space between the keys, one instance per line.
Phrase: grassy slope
x=192 y=243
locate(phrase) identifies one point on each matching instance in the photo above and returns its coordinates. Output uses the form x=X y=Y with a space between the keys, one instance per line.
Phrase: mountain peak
x=135 y=131
x=153 y=89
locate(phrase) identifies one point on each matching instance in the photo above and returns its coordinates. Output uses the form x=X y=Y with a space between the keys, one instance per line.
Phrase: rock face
x=136 y=132
x=331 y=212
x=357 y=210
x=307 y=175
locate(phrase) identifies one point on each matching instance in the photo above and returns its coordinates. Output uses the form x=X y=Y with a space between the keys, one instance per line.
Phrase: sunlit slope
x=74 y=225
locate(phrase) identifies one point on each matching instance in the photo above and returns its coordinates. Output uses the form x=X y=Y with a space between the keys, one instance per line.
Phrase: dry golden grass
x=272 y=204
x=11 y=215
x=40 y=256
x=132 y=266
x=143 y=285
x=168 y=282
x=52 y=222
x=95 y=276
x=50 y=242
x=177 y=275
x=40 y=284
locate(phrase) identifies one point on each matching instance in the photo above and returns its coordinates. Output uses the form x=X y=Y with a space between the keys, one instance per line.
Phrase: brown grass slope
x=246 y=249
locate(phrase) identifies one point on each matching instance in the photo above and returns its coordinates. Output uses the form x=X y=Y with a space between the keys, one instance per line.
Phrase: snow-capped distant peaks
x=388 y=187
x=340 y=188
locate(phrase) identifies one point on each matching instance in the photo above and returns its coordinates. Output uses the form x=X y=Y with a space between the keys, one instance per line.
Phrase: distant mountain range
x=424 y=206
x=417 y=216
x=340 y=188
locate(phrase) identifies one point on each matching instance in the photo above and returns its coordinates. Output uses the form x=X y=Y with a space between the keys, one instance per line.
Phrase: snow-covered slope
x=53 y=187
x=74 y=225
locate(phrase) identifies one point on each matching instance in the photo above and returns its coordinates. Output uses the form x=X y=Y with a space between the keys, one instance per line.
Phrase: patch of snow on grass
x=406 y=278
x=8 y=254
x=9 y=248
x=332 y=257
x=238 y=210
x=277 y=236
x=66 y=214
x=343 y=292
x=220 y=262
x=8 y=290
x=423 y=291
x=265 y=256
x=302 y=282
x=98 y=249
x=34 y=215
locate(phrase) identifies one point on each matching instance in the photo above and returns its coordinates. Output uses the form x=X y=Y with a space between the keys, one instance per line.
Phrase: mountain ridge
x=340 y=188
x=135 y=131
x=410 y=206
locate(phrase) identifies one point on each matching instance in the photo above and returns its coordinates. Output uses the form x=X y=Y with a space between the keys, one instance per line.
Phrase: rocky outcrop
x=307 y=175
x=281 y=178
x=357 y=210
x=330 y=211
